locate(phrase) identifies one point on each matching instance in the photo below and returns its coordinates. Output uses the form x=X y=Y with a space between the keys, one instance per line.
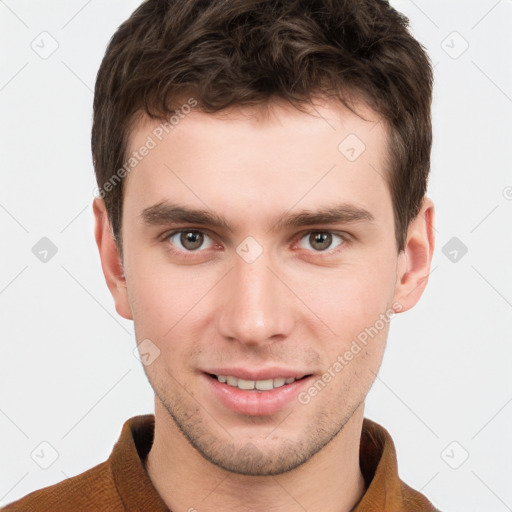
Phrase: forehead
x=261 y=158
x=263 y=123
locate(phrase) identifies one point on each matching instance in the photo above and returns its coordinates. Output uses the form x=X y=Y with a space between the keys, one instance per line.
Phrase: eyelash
x=192 y=254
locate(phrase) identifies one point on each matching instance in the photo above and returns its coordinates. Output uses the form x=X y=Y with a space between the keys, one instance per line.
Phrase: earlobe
x=110 y=260
x=414 y=262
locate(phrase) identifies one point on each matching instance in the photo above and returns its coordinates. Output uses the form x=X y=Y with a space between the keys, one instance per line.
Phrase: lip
x=254 y=402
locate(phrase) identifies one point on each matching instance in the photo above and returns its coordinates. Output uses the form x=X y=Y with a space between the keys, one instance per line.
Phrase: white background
x=68 y=375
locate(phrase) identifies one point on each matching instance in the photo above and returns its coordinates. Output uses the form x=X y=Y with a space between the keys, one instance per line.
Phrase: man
x=262 y=169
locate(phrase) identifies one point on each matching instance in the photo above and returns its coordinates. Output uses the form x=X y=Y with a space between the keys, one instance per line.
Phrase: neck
x=330 y=481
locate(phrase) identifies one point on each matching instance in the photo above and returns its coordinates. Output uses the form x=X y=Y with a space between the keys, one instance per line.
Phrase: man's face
x=259 y=299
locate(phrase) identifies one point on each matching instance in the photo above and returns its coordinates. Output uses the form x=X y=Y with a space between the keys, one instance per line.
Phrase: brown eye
x=189 y=240
x=320 y=241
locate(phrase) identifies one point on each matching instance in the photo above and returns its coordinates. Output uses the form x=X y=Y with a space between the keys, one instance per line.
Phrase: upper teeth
x=262 y=385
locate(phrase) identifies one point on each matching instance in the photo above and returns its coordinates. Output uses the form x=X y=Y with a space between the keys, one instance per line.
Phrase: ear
x=110 y=259
x=414 y=261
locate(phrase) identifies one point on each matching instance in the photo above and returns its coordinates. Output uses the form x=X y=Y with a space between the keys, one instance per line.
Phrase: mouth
x=256 y=385
x=256 y=393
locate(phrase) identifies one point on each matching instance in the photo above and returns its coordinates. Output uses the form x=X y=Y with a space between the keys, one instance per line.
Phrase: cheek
x=167 y=310
x=352 y=299
x=159 y=294
x=148 y=301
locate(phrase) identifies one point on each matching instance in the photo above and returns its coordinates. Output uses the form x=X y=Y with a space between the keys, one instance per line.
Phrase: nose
x=257 y=305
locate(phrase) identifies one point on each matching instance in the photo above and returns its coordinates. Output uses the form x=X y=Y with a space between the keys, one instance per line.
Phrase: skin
x=296 y=306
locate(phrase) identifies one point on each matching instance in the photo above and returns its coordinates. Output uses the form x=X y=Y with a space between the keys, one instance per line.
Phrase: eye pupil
x=191 y=239
x=324 y=239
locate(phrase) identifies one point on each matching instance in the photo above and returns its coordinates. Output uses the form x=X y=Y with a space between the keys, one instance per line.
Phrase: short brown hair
x=248 y=52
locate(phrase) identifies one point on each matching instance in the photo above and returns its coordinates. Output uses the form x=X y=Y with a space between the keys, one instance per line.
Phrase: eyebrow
x=171 y=213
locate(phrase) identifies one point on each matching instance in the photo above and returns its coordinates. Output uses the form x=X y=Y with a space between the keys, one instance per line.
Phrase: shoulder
x=93 y=490
x=117 y=484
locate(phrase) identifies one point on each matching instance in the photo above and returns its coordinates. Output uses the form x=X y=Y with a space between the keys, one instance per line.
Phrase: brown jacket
x=121 y=483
